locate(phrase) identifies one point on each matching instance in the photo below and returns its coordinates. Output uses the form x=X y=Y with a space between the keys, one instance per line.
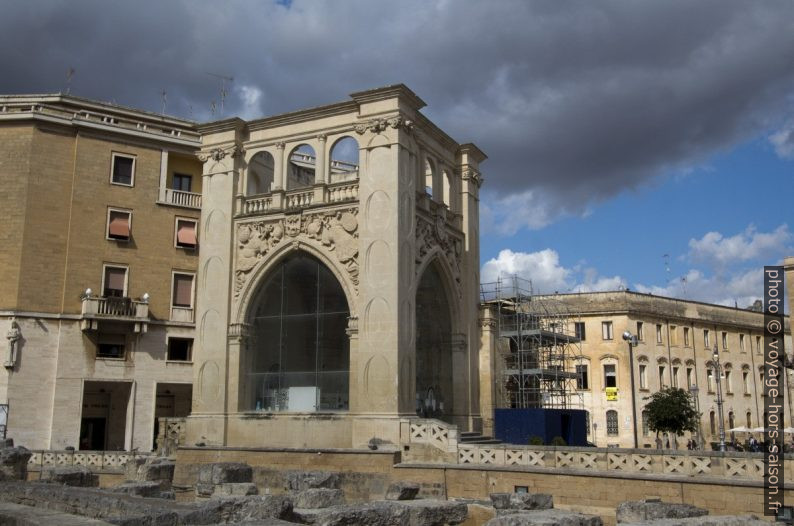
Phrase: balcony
x=96 y=309
x=278 y=201
x=169 y=196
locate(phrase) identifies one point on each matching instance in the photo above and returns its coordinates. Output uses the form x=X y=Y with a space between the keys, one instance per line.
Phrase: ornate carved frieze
x=432 y=234
x=379 y=125
x=337 y=231
x=218 y=154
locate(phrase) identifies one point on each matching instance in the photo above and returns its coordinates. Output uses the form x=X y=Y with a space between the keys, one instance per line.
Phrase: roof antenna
x=223 y=90
x=164 y=95
x=69 y=74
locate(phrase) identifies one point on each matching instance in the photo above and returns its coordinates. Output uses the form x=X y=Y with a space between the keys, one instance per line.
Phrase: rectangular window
x=674 y=371
x=689 y=382
x=612 y=423
x=706 y=342
x=724 y=340
x=582 y=382
x=758 y=344
x=578 y=328
x=185 y=233
x=114 y=282
x=183 y=290
x=658 y=333
x=661 y=376
x=111 y=346
x=746 y=382
x=119 y=224
x=728 y=383
x=710 y=379
x=686 y=336
x=643 y=376
x=606 y=330
x=741 y=343
x=673 y=335
x=123 y=169
x=610 y=376
x=640 y=335
x=180 y=349
x=183 y=182
x=645 y=429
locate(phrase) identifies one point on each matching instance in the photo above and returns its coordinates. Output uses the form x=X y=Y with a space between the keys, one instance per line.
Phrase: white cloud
x=507 y=215
x=719 y=251
x=251 y=98
x=547 y=275
x=738 y=289
x=783 y=141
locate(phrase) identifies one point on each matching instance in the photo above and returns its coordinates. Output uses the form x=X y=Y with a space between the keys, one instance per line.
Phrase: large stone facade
x=85 y=370
x=406 y=210
x=676 y=342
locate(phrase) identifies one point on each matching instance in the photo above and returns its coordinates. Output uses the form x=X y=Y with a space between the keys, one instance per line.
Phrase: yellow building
x=100 y=211
x=675 y=344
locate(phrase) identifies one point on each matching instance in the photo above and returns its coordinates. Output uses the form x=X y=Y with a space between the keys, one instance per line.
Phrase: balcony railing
x=180 y=198
x=278 y=201
x=95 y=309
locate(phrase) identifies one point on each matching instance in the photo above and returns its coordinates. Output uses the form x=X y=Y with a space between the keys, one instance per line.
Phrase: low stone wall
x=101 y=461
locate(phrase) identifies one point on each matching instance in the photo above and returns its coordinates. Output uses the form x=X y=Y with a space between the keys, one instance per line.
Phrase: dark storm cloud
x=573 y=101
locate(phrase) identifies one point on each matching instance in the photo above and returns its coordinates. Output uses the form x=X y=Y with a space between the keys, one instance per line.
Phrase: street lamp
x=632 y=341
x=718 y=374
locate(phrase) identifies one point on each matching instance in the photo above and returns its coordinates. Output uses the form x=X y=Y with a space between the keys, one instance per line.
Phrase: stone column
x=239 y=367
x=279 y=177
x=487 y=369
x=461 y=376
x=211 y=369
x=163 y=175
x=320 y=170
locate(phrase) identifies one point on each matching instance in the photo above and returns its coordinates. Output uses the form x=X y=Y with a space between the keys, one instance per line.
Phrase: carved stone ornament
x=435 y=234
x=218 y=154
x=379 y=125
x=337 y=231
x=474 y=176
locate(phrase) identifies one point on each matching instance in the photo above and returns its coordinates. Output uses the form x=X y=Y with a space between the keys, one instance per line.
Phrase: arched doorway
x=299 y=352
x=434 y=396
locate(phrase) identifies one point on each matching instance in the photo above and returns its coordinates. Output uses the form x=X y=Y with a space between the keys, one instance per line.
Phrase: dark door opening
x=92 y=434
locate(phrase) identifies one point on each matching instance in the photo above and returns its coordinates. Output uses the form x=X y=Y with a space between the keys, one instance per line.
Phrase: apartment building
x=100 y=235
x=676 y=343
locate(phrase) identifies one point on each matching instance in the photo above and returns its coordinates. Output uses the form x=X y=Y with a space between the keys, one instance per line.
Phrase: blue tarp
x=516 y=426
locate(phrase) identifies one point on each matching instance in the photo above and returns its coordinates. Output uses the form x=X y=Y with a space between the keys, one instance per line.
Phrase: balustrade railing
x=114 y=307
x=300 y=199
x=343 y=192
x=180 y=198
x=96 y=460
x=339 y=192
x=257 y=205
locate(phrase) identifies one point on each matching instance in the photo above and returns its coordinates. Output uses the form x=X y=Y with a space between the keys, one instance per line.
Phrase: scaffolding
x=537 y=349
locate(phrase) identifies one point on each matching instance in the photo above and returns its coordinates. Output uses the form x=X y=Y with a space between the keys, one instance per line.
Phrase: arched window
x=260 y=174
x=430 y=169
x=301 y=166
x=343 y=164
x=712 y=422
x=645 y=429
x=731 y=420
x=749 y=420
x=612 y=423
x=446 y=181
x=299 y=357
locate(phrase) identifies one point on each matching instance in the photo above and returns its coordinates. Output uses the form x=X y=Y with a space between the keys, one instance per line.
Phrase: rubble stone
x=522 y=501
x=235 y=489
x=712 y=520
x=424 y=512
x=402 y=491
x=640 y=510
x=14 y=462
x=314 y=498
x=301 y=480
x=545 y=518
x=144 y=488
x=225 y=472
x=79 y=476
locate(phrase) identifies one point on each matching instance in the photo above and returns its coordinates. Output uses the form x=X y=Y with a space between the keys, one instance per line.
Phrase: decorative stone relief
x=379 y=125
x=14 y=335
x=336 y=230
x=474 y=176
x=218 y=154
x=435 y=234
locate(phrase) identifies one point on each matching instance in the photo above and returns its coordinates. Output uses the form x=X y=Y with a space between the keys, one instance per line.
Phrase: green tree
x=671 y=411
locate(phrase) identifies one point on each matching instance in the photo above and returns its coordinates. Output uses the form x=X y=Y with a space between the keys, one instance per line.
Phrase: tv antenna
x=69 y=74
x=223 y=91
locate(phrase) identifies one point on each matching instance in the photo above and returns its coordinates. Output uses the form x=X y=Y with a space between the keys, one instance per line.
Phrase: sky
x=632 y=144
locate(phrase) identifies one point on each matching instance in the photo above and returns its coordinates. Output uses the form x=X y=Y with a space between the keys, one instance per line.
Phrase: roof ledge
x=400 y=91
